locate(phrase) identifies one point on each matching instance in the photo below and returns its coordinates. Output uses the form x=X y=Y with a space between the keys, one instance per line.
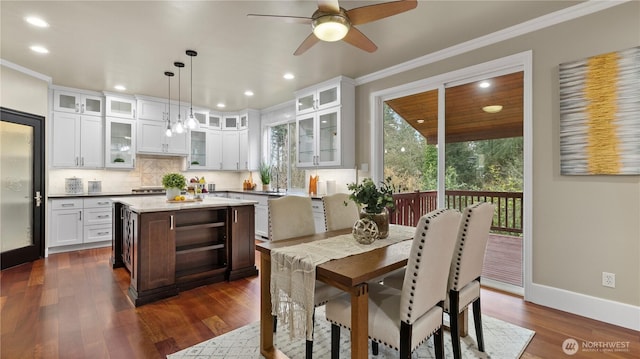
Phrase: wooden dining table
x=349 y=274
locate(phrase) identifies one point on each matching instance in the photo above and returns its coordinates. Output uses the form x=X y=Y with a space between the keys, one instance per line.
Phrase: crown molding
x=26 y=71
x=554 y=18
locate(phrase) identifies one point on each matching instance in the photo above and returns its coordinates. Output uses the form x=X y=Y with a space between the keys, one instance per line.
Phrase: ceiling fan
x=333 y=23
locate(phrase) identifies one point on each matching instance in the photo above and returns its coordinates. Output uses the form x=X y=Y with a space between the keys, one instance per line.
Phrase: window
x=282 y=157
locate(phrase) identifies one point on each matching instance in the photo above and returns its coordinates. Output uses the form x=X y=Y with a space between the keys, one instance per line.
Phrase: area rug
x=502 y=341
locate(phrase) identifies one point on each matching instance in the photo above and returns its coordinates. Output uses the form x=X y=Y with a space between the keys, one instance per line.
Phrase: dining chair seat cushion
x=466 y=296
x=385 y=316
x=324 y=292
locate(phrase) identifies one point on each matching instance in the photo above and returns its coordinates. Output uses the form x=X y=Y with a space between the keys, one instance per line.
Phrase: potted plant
x=374 y=201
x=265 y=175
x=173 y=183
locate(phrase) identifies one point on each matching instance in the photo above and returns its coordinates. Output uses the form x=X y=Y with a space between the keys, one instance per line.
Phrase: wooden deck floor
x=503 y=259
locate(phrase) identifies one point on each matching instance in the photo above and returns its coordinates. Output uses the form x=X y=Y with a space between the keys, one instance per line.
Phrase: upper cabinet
x=77 y=102
x=326 y=124
x=120 y=106
x=231 y=122
x=215 y=120
x=76 y=141
x=120 y=143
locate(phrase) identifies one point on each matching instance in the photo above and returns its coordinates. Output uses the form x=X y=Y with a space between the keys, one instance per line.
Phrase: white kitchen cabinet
x=261 y=213
x=77 y=141
x=202 y=116
x=77 y=102
x=243 y=149
x=120 y=143
x=76 y=221
x=231 y=122
x=151 y=110
x=152 y=139
x=198 y=149
x=120 y=106
x=215 y=120
x=326 y=125
x=243 y=121
x=318 y=215
x=66 y=222
x=214 y=150
x=231 y=150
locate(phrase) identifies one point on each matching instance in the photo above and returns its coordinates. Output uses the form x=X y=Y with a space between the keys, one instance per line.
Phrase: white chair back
x=290 y=217
x=337 y=215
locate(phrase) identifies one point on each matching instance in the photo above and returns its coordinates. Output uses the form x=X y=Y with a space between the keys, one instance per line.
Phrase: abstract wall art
x=600 y=114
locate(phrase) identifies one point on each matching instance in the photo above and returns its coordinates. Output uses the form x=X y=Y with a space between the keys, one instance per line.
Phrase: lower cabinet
x=261 y=213
x=167 y=252
x=77 y=221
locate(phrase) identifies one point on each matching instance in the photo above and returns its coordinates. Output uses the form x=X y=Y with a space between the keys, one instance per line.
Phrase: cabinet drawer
x=97 y=203
x=97 y=233
x=75 y=203
x=97 y=216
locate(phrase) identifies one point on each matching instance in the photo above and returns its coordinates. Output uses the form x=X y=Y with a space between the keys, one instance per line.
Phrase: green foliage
x=372 y=198
x=174 y=180
x=265 y=173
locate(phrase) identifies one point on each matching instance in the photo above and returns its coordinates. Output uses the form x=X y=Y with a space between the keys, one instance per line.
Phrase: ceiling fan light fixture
x=332 y=27
x=492 y=108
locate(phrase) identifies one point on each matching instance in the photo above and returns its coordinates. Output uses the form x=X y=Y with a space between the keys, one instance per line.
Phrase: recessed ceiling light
x=119 y=87
x=221 y=105
x=420 y=121
x=36 y=21
x=492 y=108
x=484 y=84
x=39 y=49
x=248 y=93
x=289 y=76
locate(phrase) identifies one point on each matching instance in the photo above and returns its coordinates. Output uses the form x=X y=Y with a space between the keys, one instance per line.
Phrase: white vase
x=172 y=193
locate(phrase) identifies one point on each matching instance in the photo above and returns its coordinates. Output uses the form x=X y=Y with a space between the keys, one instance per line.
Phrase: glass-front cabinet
x=120 y=137
x=318 y=98
x=215 y=120
x=319 y=139
x=76 y=102
x=120 y=107
x=198 y=150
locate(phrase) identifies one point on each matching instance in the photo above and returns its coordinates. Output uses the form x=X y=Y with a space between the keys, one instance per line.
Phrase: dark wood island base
x=168 y=249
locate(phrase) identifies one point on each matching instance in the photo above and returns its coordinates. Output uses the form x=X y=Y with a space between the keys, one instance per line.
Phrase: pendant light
x=168 y=132
x=179 y=126
x=191 y=122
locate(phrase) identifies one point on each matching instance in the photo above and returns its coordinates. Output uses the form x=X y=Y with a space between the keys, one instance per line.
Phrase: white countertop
x=140 y=204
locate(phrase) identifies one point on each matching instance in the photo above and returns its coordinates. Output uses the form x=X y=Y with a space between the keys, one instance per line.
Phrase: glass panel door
x=198 y=149
x=120 y=145
x=21 y=186
x=328 y=137
x=306 y=141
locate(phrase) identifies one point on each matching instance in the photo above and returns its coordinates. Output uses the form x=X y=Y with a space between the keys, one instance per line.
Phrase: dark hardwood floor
x=73 y=305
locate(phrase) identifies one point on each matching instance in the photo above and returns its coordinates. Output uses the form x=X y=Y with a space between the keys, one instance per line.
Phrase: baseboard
x=76 y=247
x=604 y=310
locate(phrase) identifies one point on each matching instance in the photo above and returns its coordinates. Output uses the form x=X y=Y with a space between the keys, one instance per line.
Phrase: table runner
x=293 y=274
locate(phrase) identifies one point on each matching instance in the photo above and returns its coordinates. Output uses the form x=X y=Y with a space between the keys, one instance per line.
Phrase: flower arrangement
x=174 y=180
x=373 y=199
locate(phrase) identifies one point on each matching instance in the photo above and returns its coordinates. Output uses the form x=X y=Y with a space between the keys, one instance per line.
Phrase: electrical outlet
x=609 y=279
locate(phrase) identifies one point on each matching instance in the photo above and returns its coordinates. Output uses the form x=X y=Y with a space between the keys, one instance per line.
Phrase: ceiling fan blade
x=289 y=19
x=356 y=38
x=329 y=6
x=306 y=44
x=365 y=14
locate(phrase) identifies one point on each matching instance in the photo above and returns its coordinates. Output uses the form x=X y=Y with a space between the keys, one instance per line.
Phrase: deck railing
x=411 y=206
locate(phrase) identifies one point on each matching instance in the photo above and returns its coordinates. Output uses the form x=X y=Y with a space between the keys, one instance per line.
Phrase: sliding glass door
x=21 y=187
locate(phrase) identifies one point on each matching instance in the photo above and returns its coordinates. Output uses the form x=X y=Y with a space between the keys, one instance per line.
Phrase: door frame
x=518 y=62
x=35 y=251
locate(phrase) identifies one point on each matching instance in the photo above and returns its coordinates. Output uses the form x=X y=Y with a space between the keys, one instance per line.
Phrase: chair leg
x=309 y=349
x=335 y=341
x=275 y=323
x=477 y=320
x=438 y=343
x=374 y=348
x=453 y=323
x=405 y=340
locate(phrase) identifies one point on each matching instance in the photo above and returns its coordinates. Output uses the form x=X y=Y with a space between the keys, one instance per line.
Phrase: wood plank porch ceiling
x=465 y=119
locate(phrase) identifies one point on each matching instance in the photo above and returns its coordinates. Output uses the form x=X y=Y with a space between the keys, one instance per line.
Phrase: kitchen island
x=169 y=247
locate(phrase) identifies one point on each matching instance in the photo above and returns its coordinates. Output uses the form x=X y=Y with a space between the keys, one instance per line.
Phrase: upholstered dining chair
x=290 y=217
x=340 y=212
x=404 y=319
x=463 y=287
